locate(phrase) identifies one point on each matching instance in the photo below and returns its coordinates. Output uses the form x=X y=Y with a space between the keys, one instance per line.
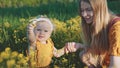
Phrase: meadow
x=15 y=16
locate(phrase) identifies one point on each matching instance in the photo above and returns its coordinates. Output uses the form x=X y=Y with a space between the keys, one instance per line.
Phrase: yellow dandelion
x=27 y=58
x=14 y=36
x=14 y=54
x=18 y=39
x=24 y=39
x=5 y=55
x=10 y=63
x=15 y=31
x=7 y=49
x=85 y=67
x=64 y=60
x=22 y=61
x=17 y=66
x=22 y=20
x=20 y=56
x=1 y=59
x=55 y=66
x=7 y=24
x=73 y=66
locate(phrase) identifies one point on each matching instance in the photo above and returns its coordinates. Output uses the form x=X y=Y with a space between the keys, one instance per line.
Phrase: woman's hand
x=71 y=47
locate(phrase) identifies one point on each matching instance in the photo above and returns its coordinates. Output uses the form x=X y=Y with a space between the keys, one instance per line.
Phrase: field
x=15 y=16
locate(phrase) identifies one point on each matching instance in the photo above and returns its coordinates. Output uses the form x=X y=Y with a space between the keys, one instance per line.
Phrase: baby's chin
x=42 y=40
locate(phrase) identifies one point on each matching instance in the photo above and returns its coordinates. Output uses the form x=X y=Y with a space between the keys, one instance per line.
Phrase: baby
x=41 y=46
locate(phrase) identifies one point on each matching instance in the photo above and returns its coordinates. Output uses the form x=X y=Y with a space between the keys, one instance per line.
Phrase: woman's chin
x=88 y=22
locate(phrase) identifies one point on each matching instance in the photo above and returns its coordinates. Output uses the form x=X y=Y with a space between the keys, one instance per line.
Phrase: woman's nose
x=84 y=13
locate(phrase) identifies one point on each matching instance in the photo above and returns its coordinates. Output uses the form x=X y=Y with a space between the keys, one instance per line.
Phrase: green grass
x=56 y=10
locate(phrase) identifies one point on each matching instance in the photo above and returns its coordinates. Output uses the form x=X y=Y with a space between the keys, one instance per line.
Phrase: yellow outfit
x=114 y=38
x=44 y=53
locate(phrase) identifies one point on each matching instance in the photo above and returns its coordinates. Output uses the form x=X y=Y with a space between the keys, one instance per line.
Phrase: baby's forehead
x=44 y=24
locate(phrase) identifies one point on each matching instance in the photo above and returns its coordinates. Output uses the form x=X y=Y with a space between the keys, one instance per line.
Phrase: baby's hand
x=70 y=47
x=31 y=27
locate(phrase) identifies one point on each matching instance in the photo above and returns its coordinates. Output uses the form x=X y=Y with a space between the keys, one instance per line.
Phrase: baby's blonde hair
x=40 y=19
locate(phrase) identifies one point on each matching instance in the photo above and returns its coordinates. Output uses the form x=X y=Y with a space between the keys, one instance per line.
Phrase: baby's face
x=43 y=31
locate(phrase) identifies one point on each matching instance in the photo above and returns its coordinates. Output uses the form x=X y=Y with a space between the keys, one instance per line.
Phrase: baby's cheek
x=47 y=37
x=36 y=33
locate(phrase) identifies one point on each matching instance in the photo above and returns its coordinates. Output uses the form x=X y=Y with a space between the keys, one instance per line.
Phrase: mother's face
x=86 y=12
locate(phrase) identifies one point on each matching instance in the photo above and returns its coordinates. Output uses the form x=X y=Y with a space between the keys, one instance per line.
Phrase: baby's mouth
x=40 y=36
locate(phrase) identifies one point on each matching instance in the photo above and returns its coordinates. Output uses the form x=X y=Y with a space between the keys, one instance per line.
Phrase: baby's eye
x=38 y=29
x=46 y=30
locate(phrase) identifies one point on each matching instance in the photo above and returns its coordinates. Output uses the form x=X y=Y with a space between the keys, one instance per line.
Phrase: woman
x=102 y=47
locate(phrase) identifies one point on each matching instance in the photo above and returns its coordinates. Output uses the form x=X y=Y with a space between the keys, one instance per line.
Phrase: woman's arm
x=114 y=41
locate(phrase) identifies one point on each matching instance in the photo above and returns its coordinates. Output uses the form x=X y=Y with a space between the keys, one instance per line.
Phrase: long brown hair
x=96 y=33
